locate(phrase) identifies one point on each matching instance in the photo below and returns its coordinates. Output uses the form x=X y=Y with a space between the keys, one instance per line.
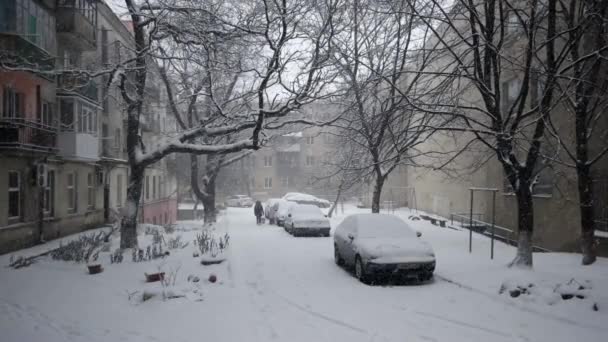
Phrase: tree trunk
x=377 y=194
x=525 y=225
x=209 y=202
x=128 y=225
x=333 y=207
x=585 y=195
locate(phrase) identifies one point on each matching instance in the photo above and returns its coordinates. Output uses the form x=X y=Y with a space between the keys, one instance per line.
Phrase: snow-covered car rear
x=306 y=220
x=238 y=201
x=382 y=245
x=282 y=209
x=270 y=209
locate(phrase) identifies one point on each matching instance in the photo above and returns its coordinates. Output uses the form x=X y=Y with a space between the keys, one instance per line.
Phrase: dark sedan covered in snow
x=382 y=245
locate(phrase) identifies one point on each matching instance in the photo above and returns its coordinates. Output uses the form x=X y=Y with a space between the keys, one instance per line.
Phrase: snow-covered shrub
x=209 y=244
x=85 y=248
x=176 y=242
x=117 y=256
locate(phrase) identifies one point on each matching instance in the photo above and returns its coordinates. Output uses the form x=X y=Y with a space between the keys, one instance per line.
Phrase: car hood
x=396 y=249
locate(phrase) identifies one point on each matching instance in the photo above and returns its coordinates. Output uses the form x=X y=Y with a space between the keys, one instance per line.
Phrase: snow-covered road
x=297 y=293
x=275 y=287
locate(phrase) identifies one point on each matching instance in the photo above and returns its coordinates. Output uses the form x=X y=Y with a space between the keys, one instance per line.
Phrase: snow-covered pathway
x=299 y=294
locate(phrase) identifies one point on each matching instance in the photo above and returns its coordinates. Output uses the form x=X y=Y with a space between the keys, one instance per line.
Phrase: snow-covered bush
x=176 y=243
x=85 y=248
x=208 y=244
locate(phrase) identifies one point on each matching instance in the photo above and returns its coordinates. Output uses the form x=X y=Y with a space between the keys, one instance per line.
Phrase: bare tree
x=381 y=54
x=504 y=63
x=269 y=28
x=585 y=92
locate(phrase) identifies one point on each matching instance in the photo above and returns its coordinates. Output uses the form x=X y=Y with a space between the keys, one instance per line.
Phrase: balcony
x=21 y=134
x=75 y=84
x=77 y=145
x=77 y=23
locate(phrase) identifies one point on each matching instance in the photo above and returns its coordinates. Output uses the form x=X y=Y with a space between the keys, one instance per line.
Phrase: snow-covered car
x=282 y=211
x=306 y=199
x=270 y=209
x=382 y=245
x=306 y=219
x=238 y=201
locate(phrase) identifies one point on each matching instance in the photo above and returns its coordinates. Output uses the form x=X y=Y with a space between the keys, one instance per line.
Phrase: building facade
x=62 y=145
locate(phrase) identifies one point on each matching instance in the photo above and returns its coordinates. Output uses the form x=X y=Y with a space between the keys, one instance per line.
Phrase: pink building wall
x=163 y=211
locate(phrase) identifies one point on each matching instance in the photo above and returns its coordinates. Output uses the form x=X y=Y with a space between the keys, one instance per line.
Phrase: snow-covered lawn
x=274 y=287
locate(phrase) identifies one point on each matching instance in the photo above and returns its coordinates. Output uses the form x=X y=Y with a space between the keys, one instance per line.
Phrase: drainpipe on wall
x=40 y=202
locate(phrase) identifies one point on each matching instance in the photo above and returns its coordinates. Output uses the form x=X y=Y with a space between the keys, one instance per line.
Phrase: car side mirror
x=351 y=237
x=418 y=234
x=288 y=215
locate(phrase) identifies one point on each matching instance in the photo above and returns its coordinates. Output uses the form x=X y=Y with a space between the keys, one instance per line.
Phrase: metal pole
x=493 y=223
x=471 y=225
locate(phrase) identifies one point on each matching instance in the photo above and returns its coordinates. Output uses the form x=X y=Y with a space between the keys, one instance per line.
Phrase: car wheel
x=360 y=271
x=337 y=257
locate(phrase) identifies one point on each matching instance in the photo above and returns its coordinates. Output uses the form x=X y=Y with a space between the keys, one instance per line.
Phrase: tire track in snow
x=500 y=300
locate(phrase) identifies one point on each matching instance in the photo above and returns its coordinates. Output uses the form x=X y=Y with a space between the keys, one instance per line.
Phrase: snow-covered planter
x=95 y=268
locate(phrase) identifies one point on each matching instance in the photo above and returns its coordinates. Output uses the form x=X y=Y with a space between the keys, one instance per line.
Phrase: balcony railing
x=76 y=84
x=27 y=135
x=77 y=23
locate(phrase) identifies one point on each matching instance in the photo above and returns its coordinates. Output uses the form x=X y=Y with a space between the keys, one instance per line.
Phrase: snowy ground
x=274 y=287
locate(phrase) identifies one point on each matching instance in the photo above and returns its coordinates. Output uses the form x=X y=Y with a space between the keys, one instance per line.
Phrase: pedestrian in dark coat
x=258 y=210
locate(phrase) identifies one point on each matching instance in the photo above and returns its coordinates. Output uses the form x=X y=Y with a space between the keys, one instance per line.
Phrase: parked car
x=306 y=199
x=270 y=209
x=282 y=211
x=382 y=245
x=238 y=201
x=306 y=219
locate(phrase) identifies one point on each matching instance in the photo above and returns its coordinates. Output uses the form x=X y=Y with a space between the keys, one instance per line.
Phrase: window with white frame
x=310 y=140
x=267 y=161
x=87 y=119
x=14 y=194
x=72 y=187
x=147 y=187
x=13 y=103
x=119 y=190
x=267 y=182
x=90 y=190
x=510 y=92
x=310 y=160
x=153 y=187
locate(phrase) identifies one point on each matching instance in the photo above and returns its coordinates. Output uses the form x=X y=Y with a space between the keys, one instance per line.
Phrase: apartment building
x=62 y=146
x=294 y=160
x=555 y=195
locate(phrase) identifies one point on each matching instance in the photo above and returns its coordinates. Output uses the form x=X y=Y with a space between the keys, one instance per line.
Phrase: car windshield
x=382 y=226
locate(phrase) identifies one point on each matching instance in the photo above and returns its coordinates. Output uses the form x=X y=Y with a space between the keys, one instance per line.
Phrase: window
x=14 y=194
x=147 y=187
x=512 y=24
x=268 y=161
x=327 y=138
x=72 y=192
x=67 y=115
x=284 y=182
x=117 y=138
x=49 y=193
x=90 y=190
x=268 y=183
x=87 y=119
x=310 y=160
x=153 y=187
x=118 y=191
x=510 y=92
x=46 y=113
x=310 y=140
x=12 y=103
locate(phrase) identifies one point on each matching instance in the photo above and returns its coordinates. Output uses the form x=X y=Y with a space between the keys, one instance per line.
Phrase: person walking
x=258 y=210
